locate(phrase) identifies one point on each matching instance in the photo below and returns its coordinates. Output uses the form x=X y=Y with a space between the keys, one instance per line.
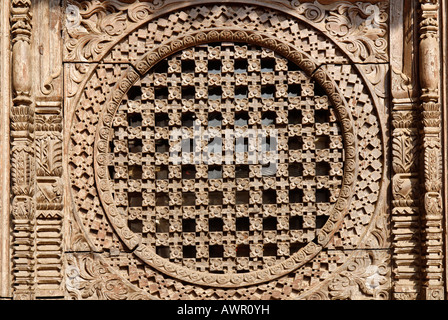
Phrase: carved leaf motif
x=359 y=27
x=89 y=278
x=403 y=151
x=432 y=167
x=49 y=157
x=21 y=170
x=92 y=25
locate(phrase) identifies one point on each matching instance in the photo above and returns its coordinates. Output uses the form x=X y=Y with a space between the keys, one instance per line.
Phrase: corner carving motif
x=94 y=27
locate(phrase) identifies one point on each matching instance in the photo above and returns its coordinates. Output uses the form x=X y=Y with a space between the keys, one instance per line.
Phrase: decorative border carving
x=22 y=152
x=359 y=29
x=405 y=220
x=432 y=218
x=88 y=277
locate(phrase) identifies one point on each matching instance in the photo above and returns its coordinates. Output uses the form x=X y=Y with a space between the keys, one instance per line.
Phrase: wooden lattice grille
x=253 y=172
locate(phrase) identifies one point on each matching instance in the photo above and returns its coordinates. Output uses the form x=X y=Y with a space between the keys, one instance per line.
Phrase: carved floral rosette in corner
x=355 y=222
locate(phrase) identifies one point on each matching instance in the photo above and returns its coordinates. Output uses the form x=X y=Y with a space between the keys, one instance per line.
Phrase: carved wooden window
x=229 y=150
x=269 y=149
x=226 y=158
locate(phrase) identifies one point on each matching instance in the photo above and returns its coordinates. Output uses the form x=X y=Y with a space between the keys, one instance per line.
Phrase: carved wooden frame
x=40 y=205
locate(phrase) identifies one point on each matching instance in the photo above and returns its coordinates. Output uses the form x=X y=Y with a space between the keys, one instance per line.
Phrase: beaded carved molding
x=177 y=227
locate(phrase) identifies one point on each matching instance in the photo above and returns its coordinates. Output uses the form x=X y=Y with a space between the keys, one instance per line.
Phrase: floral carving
x=360 y=29
x=87 y=277
x=92 y=25
x=404 y=146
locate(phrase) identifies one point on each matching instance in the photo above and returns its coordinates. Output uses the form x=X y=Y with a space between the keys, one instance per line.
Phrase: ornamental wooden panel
x=223 y=150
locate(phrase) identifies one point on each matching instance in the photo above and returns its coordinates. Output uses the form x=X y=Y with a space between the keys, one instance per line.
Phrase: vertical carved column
x=432 y=154
x=406 y=237
x=21 y=130
x=47 y=93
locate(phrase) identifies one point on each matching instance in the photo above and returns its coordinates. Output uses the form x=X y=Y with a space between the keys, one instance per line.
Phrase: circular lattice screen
x=225 y=159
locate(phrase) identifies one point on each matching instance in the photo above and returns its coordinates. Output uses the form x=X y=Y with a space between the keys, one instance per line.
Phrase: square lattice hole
x=295 y=223
x=270 y=223
x=321 y=221
x=270 y=250
x=135 y=93
x=242 y=171
x=215 y=119
x=241 y=92
x=187 y=145
x=214 y=93
x=242 y=197
x=188 y=119
x=322 y=142
x=319 y=91
x=295 y=196
x=295 y=169
x=322 y=195
x=269 y=169
x=188 y=199
x=161 y=120
x=295 y=116
x=241 y=119
x=135 y=199
x=111 y=170
x=268 y=91
x=269 y=197
x=243 y=250
x=215 y=198
x=322 y=169
x=321 y=116
x=162 y=225
x=267 y=65
x=188 y=225
x=295 y=143
x=135 y=226
x=216 y=251
x=135 y=119
x=188 y=93
x=215 y=224
x=162 y=199
x=188 y=172
x=294 y=90
x=188 y=66
x=214 y=172
x=161 y=67
x=242 y=224
x=135 y=145
x=135 y=172
x=162 y=145
x=295 y=247
x=161 y=93
x=214 y=66
x=161 y=172
x=240 y=66
x=189 y=252
x=292 y=66
x=268 y=118
x=241 y=144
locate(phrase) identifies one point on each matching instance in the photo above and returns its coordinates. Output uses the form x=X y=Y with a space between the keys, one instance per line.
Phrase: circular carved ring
x=148 y=255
